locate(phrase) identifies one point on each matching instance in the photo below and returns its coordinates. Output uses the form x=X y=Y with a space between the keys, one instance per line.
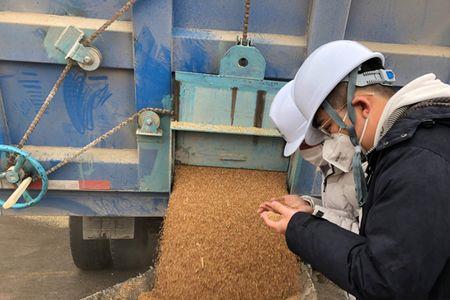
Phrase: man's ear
x=362 y=103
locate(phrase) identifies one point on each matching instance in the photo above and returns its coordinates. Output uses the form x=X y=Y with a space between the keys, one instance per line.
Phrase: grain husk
x=215 y=246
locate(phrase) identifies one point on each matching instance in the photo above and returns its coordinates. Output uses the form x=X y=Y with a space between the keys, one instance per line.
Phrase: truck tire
x=87 y=254
x=138 y=253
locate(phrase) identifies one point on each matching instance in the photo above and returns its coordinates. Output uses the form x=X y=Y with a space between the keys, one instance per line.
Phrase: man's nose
x=334 y=128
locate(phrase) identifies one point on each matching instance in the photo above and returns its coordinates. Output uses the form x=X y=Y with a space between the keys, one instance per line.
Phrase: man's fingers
x=279 y=208
x=265 y=206
x=268 y=221
x=277 y=199
x=262 y=209
x=279 y=226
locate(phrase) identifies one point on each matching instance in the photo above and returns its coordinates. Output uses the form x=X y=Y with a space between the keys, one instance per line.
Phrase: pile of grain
x=215 y=246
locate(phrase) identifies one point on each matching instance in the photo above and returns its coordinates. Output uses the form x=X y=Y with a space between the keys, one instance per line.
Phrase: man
x=339 y=204
x=403 y=249
x=338 y=197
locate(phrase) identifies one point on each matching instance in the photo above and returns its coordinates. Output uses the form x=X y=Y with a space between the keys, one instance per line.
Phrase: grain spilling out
x=215 y=246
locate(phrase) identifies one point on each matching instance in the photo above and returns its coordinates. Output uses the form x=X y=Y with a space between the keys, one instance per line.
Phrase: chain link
x=66 y=70
x=107 y=135
x=245 y=40
x=118 y=14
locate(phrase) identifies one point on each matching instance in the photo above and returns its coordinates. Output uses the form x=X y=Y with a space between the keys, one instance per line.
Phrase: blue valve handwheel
x=28 y=200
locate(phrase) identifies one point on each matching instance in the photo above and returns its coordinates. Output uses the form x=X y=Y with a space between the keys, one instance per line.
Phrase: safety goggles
x=324 y=127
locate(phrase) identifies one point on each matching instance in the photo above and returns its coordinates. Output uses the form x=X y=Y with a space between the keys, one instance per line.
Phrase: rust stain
x=259 y=109
x=176 y=99
x=233 y=103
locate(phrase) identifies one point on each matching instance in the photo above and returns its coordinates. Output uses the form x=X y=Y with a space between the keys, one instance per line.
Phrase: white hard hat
x=317 y=77
x=288 y=119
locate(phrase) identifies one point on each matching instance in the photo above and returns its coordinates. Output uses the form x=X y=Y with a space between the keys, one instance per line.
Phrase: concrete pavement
x=36 y=263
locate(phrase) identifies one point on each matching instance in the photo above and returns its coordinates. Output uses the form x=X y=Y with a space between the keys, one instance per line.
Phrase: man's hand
x=286 y=206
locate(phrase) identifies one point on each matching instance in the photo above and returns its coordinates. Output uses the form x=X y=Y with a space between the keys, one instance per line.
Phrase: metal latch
x=87 y=57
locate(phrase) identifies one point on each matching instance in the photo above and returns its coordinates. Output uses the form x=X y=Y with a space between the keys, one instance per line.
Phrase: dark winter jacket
x=403 y=250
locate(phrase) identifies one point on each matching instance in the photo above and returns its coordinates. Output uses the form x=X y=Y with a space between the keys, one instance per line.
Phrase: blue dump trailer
x=169 y=81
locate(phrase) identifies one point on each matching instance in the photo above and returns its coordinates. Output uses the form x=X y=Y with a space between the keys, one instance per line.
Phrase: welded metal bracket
x=243 y=62
x=87 y=57
x=149 y=124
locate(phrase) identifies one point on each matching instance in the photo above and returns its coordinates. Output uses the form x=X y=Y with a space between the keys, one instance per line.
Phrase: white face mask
x=313 y=155
x=338 y=151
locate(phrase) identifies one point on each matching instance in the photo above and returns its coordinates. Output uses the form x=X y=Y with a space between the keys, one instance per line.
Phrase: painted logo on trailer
x=82 y=95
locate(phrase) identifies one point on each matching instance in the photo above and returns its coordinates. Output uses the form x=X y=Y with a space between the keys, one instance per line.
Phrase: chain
x=245 y=41
x=62 y=76
x=102 y=28
x=46 y=103
x=66 y=70
x=106 y=135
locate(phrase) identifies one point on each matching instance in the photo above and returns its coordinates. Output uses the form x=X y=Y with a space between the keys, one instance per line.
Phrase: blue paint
x=32 y=88
x=282 y=60
x=231 y=151
x=74 y=207
x=153 y=72
x=155 y=158
x=29 y=73
x=57 y=128
x=28 y=81
x=116 y=47
x=120 y=176
x=100 y=100
x=85 y=203
x=196 y=59
x=98 y=77
x=152 y=27
x=4 y=130
x=217 y=81
x=336 y=15
x=40 y=33
x=82 y=95
x=188 y=57
x=390 y=21
x=270 y=16
x=29 y=86
x=82 y=8
x=148 y=158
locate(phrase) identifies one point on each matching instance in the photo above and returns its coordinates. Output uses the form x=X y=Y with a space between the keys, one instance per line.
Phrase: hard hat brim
x=313 y=136
x=282 y=98
x=291 y=147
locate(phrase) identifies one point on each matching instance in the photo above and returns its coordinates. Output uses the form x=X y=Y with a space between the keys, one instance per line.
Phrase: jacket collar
x=405 y=127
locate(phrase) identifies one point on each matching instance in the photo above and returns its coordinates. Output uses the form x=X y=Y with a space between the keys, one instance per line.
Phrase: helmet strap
x=358 y=172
